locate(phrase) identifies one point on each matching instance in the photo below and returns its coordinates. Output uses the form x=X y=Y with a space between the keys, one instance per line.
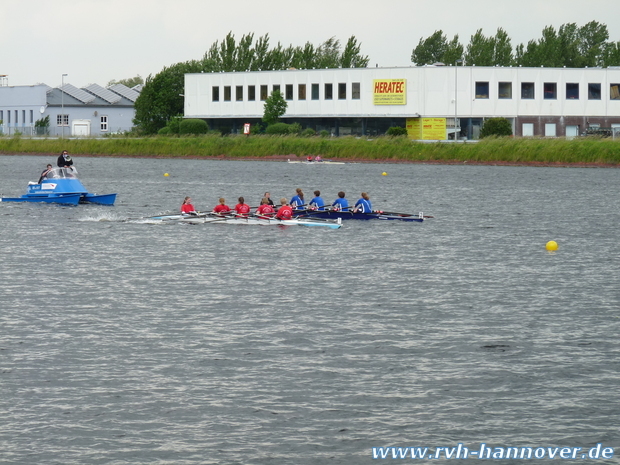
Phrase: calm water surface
x=123 y=342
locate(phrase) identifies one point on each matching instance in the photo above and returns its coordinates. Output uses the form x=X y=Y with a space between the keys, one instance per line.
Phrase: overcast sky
x=95 y=41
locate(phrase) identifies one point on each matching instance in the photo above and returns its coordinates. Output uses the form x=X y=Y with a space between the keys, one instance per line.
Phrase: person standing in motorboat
x=340 y=203
x=45 y=173
x=285 y=212
x=187 y=208
x=297 y=202
x=363 y=205
x=242 y=208
x=65 y=160
x=222 y=208
x=317 y=202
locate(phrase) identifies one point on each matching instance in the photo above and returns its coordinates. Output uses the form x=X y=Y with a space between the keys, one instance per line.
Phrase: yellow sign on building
x=426 y=128
x=390 y=91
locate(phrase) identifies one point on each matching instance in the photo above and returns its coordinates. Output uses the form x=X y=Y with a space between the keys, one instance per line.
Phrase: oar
x=402 y=214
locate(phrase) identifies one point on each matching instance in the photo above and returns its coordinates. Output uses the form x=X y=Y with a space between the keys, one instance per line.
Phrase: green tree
x=592 y=43
x=275 y=107
x=611 y=54
x=162 y=97
x=430 y=50
x=480 y=50
x=437 y=49
x=496 y=127
x=129 y=82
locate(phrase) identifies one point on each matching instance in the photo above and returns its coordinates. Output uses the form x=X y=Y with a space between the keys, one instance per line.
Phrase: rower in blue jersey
x=317 y=201
x=363 y=205
x=297 y=202
x=341 y=203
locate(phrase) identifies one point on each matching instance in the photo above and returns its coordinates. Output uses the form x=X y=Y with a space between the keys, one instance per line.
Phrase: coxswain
x=265 y=210
x=269 y=201
x=340 y=203
x=297 y=202
x=318 y=158
x=363 y=205
x=317 y=202
x=242 y=208
x=187 y=208
x=285 y=212
x=222 y=207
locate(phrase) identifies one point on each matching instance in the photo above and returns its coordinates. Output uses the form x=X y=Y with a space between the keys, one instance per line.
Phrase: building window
x=239 y=94
x=264 y=93
x=355 y=91
x=572 y=91
x=301 y=92
x=23 y=117
x=288 y=89
x=550 y=129
x=527 y=90
x=504 y=90
x=1 y=116
x=31 y=116
x=16 y=117
x=8 y=117
x=594 y=91
x=614 y=91
x=104 y=123
x=215 y=94
x=251 y=93
x=527 y=129
x=329 y=91
x=62 y=120
x=342 y=91
x=315 y=91
x=276 y=87
x=550 y=91
x=482 y=90
x=227 y=93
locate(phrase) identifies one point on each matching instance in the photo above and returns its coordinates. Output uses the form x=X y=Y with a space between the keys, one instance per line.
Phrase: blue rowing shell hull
x=347 y=215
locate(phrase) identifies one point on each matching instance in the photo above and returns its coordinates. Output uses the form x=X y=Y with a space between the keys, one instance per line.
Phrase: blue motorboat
x=61 y=185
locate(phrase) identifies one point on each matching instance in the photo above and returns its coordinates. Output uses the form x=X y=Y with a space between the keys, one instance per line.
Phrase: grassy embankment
x=503 y=150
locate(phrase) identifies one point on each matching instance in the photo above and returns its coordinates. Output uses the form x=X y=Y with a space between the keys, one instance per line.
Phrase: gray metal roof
x=103 y=93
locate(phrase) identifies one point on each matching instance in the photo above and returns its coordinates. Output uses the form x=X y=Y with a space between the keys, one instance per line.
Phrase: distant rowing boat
x=305 y=162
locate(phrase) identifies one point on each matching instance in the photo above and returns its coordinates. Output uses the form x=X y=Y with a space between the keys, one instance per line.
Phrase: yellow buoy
x=166 y=174
x=384 y=174
x=552 y=246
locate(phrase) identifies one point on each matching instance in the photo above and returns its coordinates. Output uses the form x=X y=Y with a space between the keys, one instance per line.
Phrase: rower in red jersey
x=265 y=210
x=285 y=212
x=222 y=208
x=242 y=208
x=187 y=207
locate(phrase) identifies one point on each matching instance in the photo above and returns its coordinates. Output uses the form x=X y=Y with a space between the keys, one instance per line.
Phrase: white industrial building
x=89 y=111
x=553 y=102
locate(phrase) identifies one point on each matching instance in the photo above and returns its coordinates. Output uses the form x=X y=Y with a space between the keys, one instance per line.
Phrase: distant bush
x=496 y=127
x=278 y=129
x=396 y=131
x=165 y=131
x=308 y=132
x=324 y=133
x=193 y=126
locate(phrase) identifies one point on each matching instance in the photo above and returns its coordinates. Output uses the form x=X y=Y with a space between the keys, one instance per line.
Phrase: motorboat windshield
x=62 y=173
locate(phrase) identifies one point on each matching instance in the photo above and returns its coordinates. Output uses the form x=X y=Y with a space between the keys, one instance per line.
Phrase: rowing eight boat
x=252 y=220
